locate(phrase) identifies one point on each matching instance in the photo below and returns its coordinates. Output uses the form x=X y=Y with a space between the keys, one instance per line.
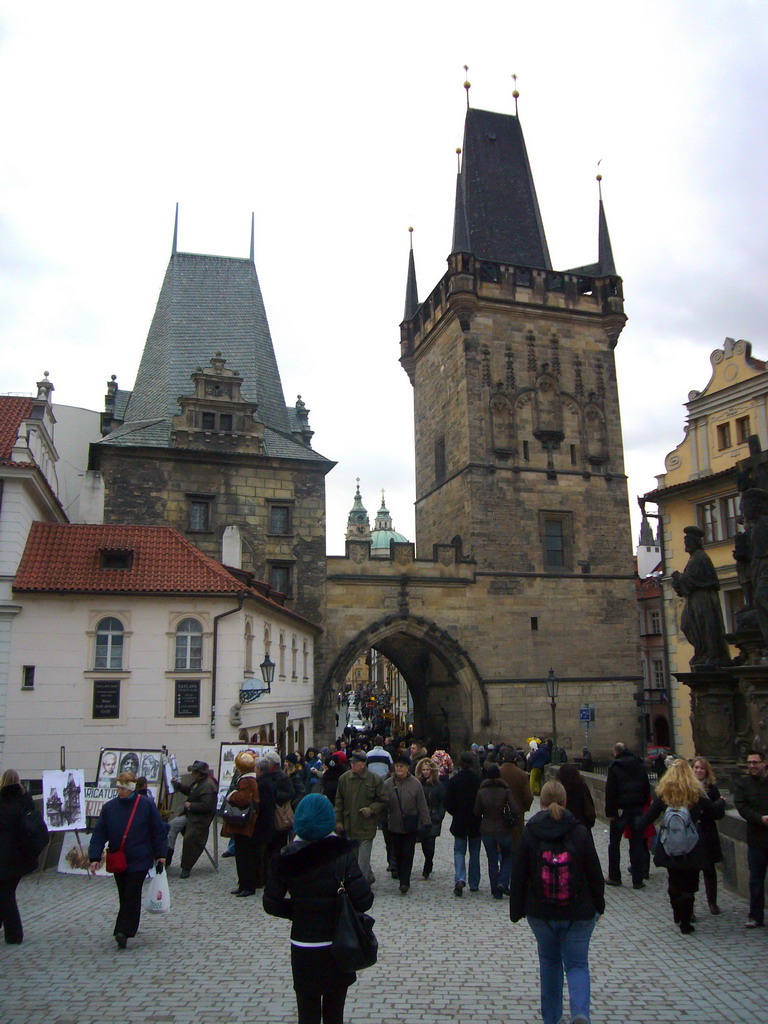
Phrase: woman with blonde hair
x=681 y=798
x=557 y=883
x=710 y=837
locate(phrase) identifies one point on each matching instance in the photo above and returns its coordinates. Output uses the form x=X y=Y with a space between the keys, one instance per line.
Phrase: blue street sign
x=586 y=713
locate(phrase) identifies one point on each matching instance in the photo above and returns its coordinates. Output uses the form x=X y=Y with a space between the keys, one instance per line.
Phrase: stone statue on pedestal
x=702 y=618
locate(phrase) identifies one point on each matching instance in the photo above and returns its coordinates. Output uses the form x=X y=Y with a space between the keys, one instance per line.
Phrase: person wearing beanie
x=245 y=792
x=301 y=887
x=358 y=804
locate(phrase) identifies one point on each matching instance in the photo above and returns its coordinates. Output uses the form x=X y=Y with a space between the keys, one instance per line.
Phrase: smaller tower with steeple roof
x=358 y=523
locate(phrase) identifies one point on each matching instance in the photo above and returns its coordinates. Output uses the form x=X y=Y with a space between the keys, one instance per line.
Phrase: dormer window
x=109 y=558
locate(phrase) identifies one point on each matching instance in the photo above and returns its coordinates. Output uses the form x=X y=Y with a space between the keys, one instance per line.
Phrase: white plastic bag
x=158 y=898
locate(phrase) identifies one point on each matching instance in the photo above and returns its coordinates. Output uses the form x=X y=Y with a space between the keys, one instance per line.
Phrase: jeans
x=459 y=860
x=637 y=847
x=563 y=945
x=500 y=855
x=757 y=859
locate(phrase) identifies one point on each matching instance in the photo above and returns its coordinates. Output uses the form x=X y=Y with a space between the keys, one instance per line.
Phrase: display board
x=227 y=755
x=73 y=858
x=112 y=761
x=64 y=799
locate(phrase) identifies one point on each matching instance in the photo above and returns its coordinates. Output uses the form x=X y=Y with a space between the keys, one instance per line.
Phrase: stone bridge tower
x=523 y=553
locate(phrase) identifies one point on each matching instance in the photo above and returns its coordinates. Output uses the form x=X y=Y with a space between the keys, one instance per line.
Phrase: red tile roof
x=12 y=411
x=66 y=557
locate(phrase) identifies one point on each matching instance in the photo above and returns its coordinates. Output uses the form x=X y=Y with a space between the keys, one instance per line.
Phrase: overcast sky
x=337 y=125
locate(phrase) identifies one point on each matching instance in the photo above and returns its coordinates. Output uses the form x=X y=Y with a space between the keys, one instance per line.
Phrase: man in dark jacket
x=751 y=800
x=196 y=817
x=460 y=796
x=626 y=791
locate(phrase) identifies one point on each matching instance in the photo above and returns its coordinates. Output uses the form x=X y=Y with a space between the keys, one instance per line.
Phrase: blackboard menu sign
x=106 y=698
x=187 y=702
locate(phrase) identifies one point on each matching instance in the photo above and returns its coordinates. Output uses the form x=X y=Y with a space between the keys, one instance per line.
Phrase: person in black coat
x=710 y=837
x=302 y=887
x=460 y=796
x=680 y=788
x=580 y=802
x=146 y=843
x=562 y=908
x=626 y=792
x=15 y=861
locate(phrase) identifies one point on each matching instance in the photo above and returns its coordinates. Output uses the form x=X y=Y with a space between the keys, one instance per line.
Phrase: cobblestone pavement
x=219 y=960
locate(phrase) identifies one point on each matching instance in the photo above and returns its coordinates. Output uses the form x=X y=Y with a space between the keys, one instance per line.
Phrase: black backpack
x=556 y=874
x=33 y=833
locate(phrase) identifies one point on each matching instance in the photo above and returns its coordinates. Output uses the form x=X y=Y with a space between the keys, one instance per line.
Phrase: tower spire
x=411 y=291
x=460 y=241
x=175 y=232
x=605 y=262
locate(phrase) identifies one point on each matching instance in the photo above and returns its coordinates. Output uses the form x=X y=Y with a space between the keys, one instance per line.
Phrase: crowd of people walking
x=303 y=825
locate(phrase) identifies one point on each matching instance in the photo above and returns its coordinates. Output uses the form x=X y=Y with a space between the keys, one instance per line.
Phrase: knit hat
x=292 y=758
x=273 y=757
x=314 y=817
x=341 y=756
x=357 y=755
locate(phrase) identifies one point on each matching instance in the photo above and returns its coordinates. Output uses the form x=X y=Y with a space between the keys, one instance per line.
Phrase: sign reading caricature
x=64 y=800
x=112 y=761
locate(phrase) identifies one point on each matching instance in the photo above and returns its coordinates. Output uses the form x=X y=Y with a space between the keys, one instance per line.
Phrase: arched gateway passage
x=448 y=693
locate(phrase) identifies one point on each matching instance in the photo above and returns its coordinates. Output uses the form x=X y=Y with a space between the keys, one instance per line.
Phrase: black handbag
x=234 y=815
x=354 y=945
x=510 y=814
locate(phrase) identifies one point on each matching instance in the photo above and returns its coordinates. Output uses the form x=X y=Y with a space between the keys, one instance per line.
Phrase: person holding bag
x=407 y=817
x=244 y=797
x=303 y=884
x=137 y=839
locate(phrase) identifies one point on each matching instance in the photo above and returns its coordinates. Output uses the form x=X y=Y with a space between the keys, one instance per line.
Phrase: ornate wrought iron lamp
x=250 y=693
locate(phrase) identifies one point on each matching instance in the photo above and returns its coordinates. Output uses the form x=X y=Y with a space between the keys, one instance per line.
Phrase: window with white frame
x=654 y=621
x=719 y=517
x=657 y=673
x=306 y=661
x=109 y=644
x=294 y=656
x=189 y=645
x=282 y=654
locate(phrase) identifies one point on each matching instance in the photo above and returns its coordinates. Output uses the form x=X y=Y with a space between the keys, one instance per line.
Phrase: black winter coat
x=460 y=796
x=146 y=841
x=710 y=837
x=14 y=863
x=309 y=873
x=697 y=858
x=627 y=785
x=265 y=823
x=589 y=898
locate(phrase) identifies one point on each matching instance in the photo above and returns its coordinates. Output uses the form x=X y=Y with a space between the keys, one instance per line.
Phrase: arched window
x=189 y=645
x=109 y=644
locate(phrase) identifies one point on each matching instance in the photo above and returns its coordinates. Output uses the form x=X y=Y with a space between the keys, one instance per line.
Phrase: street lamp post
x=552 y=684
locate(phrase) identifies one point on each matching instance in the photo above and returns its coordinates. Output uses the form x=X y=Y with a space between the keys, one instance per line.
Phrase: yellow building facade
x=699 y=487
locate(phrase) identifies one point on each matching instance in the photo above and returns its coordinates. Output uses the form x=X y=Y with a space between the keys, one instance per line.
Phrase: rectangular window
x=186 y=698
x=440 y=465
x=654 y=622
x=280 y=578
x=225 y=422
x=199 y=515
x=280 y=519
x=209 y=421
x=709 y=521
x=657 y=673
x=534 y=623
x=734 y=602
x=106 y=698
x=724 y=436
x=742 y=430
x=554 y=544
x=526 y=452
x=573 y=454
x=556 y=537
x=729 y=508
x=28 y=677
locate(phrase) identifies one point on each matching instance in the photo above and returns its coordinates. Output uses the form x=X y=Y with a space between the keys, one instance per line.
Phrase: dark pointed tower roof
x=411 y=291
x=605 y=267
x=496 y=190
x=208 y=304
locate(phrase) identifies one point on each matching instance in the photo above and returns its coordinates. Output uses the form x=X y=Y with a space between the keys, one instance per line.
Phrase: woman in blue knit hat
x=302 y=886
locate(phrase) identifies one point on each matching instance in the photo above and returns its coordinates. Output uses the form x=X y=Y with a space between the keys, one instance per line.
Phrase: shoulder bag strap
x=130 y=821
